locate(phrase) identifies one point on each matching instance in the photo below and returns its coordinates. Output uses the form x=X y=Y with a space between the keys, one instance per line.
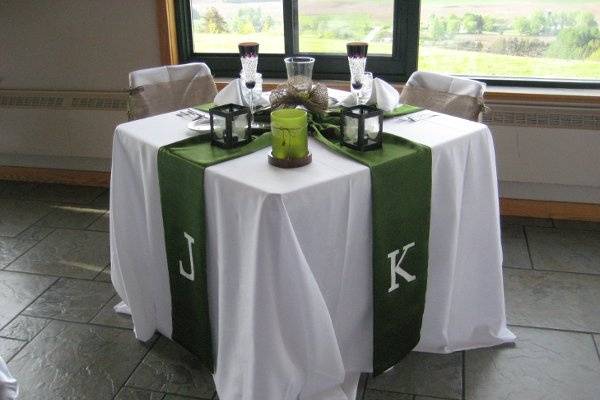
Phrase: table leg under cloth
x=333 y=259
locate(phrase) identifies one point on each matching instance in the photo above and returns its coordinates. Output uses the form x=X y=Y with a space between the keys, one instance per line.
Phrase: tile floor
x=62 y=340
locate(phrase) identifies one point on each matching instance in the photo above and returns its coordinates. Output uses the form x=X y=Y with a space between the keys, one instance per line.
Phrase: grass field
x=465 y=62
x=430 y=58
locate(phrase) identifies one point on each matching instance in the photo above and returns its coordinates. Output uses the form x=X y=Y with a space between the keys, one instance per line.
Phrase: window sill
x=543 y=95
x=494 y=94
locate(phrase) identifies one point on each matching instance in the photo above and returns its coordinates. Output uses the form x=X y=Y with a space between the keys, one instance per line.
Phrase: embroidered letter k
x=395 y=269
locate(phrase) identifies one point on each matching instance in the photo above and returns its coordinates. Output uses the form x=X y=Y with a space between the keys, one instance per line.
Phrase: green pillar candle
x=289 y=127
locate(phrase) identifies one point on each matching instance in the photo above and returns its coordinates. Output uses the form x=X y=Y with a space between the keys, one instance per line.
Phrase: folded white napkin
x=233 y=93
x=9 y=390
x=383 y=95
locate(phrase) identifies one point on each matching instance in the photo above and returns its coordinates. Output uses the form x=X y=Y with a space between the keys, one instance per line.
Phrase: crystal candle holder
x=249 y=59
x=357 y=61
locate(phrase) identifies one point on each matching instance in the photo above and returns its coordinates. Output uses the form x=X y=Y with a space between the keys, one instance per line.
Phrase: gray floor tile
x=177 y=397
x=64 y=193
x=583 y=225
x=525 y=221
x=138 y=394
x=76 y=361
x=565 y=250
x=100 y=224
x=544 y=365
x=102 y=201
x=70 y=253
x=514 y=247
x=597 y=340
x=17 y=291
x=552 y=300
x=13 y=247
x=428 y=398
x=104 y=276
x=172 y=369
x=371 y=394
x=18 y=215
x=24 y=328
x=10 y=347
x=425 y=374
x=108 y=316
x=72 y=300
x=71 y=216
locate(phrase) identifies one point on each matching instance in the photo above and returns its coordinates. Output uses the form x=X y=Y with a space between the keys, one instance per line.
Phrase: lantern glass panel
x=372 y=128
x=351 y=129
x=240 y=127
x=219 y=126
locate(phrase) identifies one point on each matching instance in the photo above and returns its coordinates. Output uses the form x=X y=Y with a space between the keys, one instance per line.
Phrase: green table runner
x=401 y=202
x=401 y=110
x=205 y=107
x=181 y=168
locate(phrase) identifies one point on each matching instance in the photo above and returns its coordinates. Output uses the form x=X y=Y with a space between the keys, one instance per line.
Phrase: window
x=326 y=26
x=541 y=39
x=209 y=31
x=538 y=42
x=217 y=26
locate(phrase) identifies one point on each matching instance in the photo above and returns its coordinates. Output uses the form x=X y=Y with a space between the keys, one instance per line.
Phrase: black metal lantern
x=230 y=125
x=362 y=128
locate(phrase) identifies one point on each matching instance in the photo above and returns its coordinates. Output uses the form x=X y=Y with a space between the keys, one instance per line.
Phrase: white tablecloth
x=9 y=389
x=289 y=257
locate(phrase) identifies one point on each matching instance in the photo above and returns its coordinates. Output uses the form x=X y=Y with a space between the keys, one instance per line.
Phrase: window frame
x=402 y=62
x=396 y=67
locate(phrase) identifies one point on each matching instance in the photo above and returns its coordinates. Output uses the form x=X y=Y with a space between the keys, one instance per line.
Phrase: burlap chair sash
x=158 y=98
x=453 y=104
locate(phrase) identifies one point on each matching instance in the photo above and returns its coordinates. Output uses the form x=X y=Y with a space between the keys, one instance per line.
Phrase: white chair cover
x=9 y=390
x=460 y=97
x=173 y=87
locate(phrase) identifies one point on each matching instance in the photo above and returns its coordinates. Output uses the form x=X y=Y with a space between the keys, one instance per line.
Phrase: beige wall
x=547 y=151
x=75 y=44
x=86 y=45
x=548 y=164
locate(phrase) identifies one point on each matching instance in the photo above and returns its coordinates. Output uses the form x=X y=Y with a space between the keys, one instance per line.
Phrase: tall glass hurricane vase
x=249 y=59
x=357 y=60
x=299 y=72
